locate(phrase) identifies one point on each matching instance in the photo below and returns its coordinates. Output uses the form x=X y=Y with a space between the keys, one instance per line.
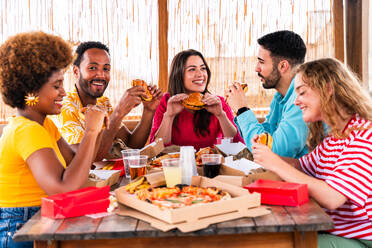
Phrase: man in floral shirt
x=92 y=70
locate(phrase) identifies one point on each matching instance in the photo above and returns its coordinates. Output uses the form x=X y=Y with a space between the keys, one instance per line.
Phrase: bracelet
x=242 y=110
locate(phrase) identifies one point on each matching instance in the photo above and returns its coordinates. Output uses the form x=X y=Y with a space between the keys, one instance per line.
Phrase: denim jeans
x=12 y=219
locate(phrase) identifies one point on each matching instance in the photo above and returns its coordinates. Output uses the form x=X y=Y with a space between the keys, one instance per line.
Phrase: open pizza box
x=154 y=148
x=236 y=177
x=156 y=179
x=238 y=168
x=230 y=175
x=228 y=149
x=195 y=217
x=102 y=178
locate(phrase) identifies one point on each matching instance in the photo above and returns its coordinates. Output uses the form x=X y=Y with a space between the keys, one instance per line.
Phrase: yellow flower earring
x=31 y=99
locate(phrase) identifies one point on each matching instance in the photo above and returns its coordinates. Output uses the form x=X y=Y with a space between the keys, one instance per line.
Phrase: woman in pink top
x=179 y=126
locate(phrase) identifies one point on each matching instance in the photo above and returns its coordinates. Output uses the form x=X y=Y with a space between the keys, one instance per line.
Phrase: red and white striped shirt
x=346 y=166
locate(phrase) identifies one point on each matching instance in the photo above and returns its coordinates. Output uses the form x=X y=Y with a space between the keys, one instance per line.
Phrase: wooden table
x=284 y=227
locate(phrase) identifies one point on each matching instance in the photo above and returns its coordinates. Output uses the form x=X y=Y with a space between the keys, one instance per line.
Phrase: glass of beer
x=211 y=164
x=126 y=154
x=137 y=166
x=172 y=171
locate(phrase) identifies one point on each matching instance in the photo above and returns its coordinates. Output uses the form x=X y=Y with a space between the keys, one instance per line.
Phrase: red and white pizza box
x=241 y=201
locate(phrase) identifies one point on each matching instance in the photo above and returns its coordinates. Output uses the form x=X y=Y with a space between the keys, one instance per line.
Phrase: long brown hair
x=176 y=86
x=348 y=97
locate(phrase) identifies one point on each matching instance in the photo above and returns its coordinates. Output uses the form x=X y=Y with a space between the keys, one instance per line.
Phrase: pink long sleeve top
x=185 y=135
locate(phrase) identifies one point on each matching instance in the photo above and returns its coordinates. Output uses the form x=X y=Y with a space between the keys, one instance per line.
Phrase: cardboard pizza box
x=242 y=200
x=191 y=226
x=171 y=149
x=151 y=170
x=253 y=176
x=156 y=179
x=103 y=178
x=239 y=178
x=153 y=149
x=227 y=149
x=239 y=181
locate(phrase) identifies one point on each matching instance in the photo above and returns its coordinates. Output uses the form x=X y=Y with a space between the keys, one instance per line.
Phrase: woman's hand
x=263 y=155
x=174 y=105
x=95 y=117
x=213 y=104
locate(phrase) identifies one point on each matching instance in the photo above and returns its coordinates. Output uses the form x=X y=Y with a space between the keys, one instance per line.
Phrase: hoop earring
x=31 y=99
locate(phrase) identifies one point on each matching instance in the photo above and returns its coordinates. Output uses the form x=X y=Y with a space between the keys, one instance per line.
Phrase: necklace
x=81 y=100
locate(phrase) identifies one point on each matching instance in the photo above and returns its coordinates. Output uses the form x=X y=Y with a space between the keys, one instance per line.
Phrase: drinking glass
x=224 y=140
x=137 y=166
x=128 y=153
x=211 y=164
x=172 y=171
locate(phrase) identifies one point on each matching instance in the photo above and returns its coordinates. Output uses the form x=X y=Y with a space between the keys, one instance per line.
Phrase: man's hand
x=129 y=100
x=156 y=97
x=235 y=97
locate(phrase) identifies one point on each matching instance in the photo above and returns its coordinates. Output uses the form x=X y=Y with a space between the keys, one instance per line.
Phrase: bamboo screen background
x=225 y=31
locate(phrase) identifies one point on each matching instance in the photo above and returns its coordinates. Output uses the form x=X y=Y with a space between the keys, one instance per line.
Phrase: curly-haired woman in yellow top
x=34 y=160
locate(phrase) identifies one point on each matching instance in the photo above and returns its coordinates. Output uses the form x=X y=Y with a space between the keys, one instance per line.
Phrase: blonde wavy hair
x=347 y=98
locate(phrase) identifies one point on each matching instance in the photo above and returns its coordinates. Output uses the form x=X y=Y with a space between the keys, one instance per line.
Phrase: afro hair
x=27 y=60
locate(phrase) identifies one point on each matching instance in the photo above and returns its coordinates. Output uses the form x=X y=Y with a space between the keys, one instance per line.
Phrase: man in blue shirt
x=279 y=55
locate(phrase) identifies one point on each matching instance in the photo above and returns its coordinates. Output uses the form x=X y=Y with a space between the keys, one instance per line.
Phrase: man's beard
x=85 y=86
x=271 y=81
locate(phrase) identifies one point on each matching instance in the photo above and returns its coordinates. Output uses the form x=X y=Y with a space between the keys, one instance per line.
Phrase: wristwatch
x=242 y=110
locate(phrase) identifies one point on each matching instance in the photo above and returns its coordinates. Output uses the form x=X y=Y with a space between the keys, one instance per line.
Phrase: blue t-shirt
x=284 y=122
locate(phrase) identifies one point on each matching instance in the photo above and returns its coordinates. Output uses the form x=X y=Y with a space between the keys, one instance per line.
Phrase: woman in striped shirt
x=338 y=170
